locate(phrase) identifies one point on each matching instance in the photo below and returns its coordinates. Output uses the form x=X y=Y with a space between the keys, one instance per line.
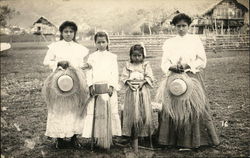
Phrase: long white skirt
x=115 y=119
x=64 y=124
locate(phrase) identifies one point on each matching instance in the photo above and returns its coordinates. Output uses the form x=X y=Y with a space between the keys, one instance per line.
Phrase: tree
x=6 y=13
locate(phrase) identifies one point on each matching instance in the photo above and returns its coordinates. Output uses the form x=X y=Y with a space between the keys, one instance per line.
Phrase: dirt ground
x=24 y=113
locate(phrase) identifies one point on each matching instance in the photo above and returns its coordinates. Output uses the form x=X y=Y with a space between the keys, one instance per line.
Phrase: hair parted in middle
x=102 y=34
x=137 y=47
x=181 y=16
x=70 y=24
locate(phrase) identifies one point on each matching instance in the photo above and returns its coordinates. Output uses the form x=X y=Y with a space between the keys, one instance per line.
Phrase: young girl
x=64 y=120
x=186 y=121
x=102 y=120
x=137 y=76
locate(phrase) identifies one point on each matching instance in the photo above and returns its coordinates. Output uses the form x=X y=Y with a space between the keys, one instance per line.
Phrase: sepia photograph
x=125 y=78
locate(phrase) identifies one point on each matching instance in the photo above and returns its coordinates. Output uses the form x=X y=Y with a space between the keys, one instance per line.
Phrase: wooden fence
x=154 y=43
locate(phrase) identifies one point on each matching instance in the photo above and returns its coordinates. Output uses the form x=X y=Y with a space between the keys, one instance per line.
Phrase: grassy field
x=24 y=113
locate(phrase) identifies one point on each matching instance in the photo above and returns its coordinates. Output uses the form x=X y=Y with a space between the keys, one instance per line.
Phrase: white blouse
x=104 y=69
x=186 y=50
x=72 y=52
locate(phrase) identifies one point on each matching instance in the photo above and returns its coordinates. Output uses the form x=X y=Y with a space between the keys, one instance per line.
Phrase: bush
x=136 y=33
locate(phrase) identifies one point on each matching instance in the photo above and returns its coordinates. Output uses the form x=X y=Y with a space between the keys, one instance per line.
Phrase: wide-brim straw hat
x=65 y=83
x=180 y=85
x=184 y=98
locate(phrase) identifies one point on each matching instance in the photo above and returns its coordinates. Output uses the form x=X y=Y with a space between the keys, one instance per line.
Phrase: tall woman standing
x=65 y=57
x=186 y=122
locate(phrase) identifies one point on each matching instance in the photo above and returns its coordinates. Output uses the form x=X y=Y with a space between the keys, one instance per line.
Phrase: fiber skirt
x=195 y=133
x=143 y=120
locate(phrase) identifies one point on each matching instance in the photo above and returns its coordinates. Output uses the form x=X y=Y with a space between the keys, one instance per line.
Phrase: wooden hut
x=43 y=26
x=223 y=17
x=166 y=23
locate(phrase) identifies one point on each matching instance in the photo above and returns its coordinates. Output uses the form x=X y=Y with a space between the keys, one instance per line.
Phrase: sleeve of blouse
x=201 y=59
x=115 y=74
x=84 y=53
x=165 y=61
x=149 y=77
x=89 y=73
x=50 y=58
x=125 y=74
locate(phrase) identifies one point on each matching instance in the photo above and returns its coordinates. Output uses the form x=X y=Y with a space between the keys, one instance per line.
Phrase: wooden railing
x=154 y=43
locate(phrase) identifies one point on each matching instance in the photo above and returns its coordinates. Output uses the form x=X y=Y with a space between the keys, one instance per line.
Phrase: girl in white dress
x=64 y=120
x=102 y=120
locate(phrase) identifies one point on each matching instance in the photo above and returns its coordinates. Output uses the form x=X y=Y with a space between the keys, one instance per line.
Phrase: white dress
x=64 y=122
x=104 y=70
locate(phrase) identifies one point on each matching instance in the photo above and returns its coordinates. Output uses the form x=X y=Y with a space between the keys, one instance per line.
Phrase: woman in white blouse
x=65 y=122
x=185 y=52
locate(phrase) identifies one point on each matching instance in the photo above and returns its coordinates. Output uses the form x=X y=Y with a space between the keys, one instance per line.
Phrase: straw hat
x=177 y=87
x=184 y=98
x=65 y=83
x=180 y=84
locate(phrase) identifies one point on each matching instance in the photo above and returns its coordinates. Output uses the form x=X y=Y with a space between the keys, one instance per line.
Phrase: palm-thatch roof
x=212 y=7
x=45 y=21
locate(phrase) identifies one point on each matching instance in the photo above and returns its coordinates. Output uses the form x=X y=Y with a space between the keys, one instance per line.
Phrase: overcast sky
x=100 y=10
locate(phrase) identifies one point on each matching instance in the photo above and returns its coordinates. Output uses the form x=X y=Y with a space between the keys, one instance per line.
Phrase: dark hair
x=102 y=34
x=137 y=47
x=70 y=24
x=181 y=16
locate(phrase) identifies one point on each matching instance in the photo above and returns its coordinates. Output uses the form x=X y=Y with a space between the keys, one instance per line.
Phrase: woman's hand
x=141 y=84
x=176 y=69
x=186 y=66
x=91 y=91
x=86 y=66
x=132 y=87
x=64 y=64
x=110 y=91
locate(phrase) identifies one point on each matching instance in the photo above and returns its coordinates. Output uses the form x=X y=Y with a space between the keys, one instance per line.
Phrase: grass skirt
x=192 y=129
x=137 y=112
x=107 y=120
x=64 y=109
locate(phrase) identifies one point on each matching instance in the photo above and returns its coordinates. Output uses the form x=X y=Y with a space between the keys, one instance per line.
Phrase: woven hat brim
x=65 y=83
x=186 y=79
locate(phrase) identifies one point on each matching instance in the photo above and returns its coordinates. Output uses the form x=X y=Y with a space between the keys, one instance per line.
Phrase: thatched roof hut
x=43 y=26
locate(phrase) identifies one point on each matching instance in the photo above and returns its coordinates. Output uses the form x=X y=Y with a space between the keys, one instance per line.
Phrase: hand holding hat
x=176 y=69
x=110 y=90
x=63 y=64
x=91 y=91
x=132 y=87
x=179 y=68
x=86 y=66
